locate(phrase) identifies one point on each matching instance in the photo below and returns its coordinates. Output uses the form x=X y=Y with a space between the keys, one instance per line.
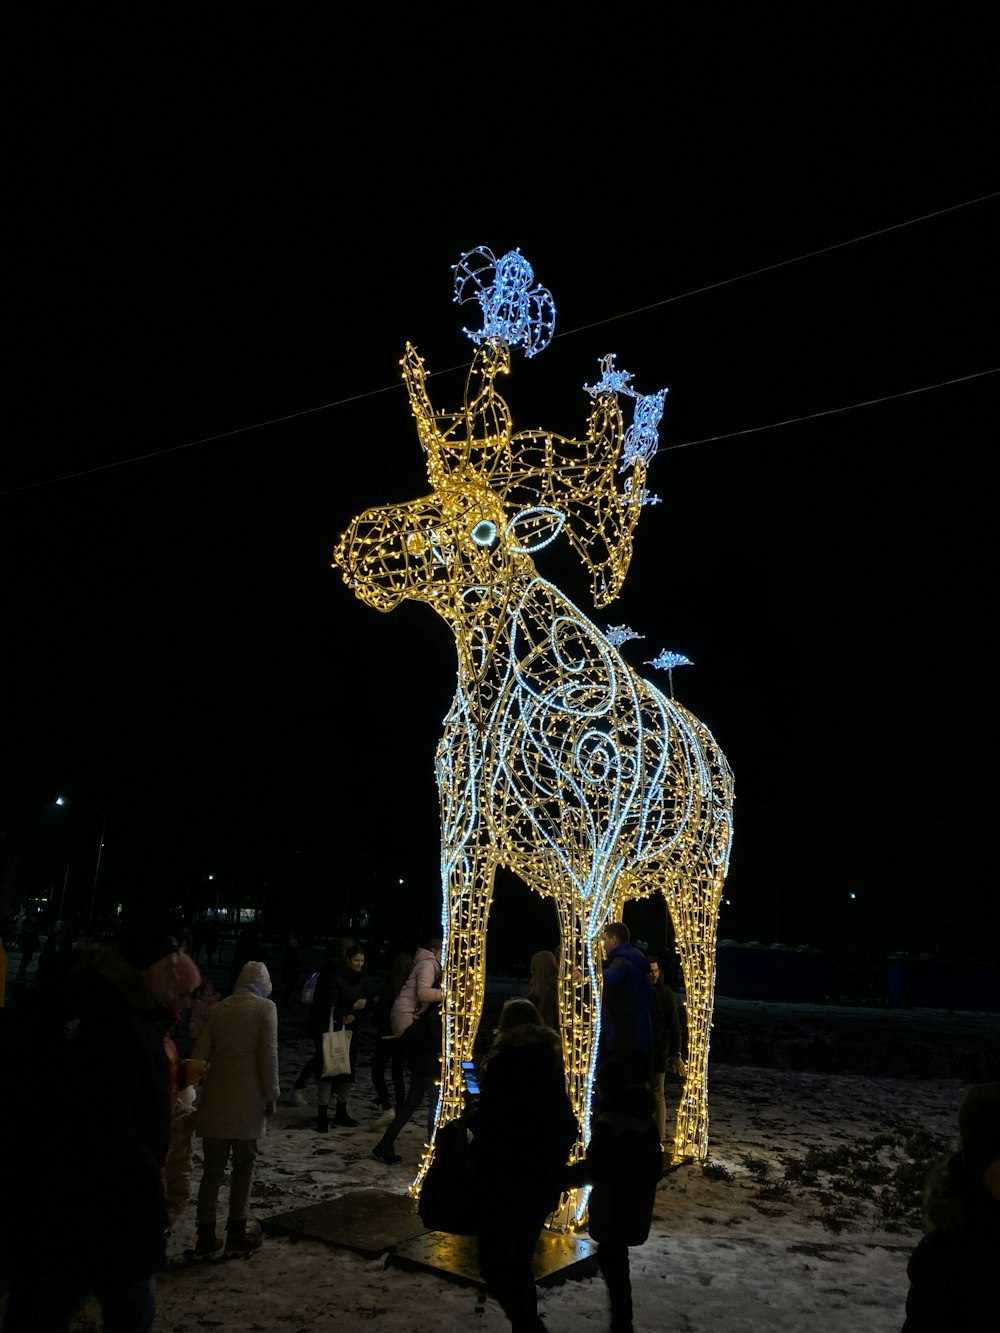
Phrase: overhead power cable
x=829 y=411
x=782 y=263
x=668 y=300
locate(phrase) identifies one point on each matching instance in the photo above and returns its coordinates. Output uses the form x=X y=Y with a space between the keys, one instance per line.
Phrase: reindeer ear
x=532 y=529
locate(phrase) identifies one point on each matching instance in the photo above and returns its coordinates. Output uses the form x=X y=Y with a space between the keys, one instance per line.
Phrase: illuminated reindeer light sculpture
x=558 y=760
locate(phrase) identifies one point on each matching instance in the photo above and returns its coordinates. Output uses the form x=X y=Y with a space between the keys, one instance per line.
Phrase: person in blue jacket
x=626 y=1005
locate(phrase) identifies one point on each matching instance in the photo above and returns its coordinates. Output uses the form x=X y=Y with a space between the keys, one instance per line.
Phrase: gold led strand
x=558 y=761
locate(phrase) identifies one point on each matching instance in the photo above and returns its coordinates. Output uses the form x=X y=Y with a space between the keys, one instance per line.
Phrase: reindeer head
x=497 y=497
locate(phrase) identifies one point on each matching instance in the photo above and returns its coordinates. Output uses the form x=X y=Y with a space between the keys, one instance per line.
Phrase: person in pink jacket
x=416 y=1022
x=203 y=1001
x=240 y=1042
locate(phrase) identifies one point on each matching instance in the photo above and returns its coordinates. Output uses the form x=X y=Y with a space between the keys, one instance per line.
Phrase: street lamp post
x=97 y=870
x=62 y=900
x=61 y=800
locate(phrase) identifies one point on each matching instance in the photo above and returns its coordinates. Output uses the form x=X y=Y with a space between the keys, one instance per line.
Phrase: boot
x=207 y=1246
x=240 y=1241
x=322 y=1119
x=384 y=1152
x=385 y=1118
x=342 y=1118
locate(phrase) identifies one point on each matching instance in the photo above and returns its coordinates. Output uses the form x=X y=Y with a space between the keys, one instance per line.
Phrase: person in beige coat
x=241 y=1090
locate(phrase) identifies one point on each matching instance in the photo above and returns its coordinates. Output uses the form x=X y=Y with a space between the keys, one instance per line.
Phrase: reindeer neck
x=483 y=642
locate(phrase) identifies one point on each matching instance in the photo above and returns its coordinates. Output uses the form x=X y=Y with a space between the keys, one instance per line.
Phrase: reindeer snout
x=371 y=560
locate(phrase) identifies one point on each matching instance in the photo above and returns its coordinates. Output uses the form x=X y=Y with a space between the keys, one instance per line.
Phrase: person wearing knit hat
x=954 y=1274
x=522 y=1133
x=154 y=955
x=240 y=1042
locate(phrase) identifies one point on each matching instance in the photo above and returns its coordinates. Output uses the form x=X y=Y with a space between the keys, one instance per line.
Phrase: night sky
x=222 y=222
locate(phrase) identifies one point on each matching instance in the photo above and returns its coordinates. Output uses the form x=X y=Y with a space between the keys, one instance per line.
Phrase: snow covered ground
x=803 y=1221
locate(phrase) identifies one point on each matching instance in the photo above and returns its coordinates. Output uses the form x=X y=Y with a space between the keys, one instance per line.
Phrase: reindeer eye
x=484 y=533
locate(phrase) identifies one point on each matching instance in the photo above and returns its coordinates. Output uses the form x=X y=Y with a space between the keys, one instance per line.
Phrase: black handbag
x=450 y=1195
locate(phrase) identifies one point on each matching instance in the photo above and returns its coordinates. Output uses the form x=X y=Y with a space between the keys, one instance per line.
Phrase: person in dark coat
x=626 y=1004
x=108 y=1163
x=954 y=1274
x=666 y=1042
x=522 y=1134
x=212 y=938
x=624 y=1162
x=332 y=958
x=338 y=992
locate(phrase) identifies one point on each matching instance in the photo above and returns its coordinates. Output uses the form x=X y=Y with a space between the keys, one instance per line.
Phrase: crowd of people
x=174 y=1061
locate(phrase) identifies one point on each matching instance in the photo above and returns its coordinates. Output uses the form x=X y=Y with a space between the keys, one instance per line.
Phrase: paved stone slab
x=368 y=1222
x=557 y=1258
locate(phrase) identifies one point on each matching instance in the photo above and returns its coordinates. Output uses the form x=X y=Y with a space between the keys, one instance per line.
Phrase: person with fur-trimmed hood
x=240 y=1093
x=522 y=1133
x=624 y=1162
x=954 y=1272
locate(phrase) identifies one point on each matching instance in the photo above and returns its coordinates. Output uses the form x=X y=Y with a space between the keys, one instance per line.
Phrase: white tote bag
x=336 y=1051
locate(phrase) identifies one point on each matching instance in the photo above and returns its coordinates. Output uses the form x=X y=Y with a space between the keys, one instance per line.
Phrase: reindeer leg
x=468 y=890
x=694 y=910
x=577 y=1014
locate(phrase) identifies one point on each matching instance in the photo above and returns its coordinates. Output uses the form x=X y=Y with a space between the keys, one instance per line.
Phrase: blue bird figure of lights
x=642 y=439
x=612 y=380
x=514 y=312
x=616 y=635
x=666 y=661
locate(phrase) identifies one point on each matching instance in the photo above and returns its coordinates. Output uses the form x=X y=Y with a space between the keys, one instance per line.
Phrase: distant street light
x=61 y=800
